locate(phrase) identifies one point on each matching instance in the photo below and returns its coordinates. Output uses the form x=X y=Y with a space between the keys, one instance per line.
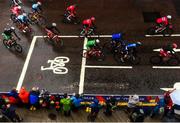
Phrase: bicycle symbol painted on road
x=57 y=65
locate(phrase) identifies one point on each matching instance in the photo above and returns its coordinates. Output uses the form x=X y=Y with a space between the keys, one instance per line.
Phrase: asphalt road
x=112 y=16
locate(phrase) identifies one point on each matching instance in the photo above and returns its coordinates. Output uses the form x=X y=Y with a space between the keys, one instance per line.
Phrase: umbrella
x=175 y=96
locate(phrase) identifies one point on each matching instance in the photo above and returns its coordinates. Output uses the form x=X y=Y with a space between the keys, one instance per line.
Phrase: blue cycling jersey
x=117 y=37
x=22 y=18
x=35 y=6
x=133 y=45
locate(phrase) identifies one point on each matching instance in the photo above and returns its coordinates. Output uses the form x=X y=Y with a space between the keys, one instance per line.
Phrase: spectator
x=132 y=103
x=137 y=115
x=94 y=110
x=110 y=105
x=168 y=104
x=2 y=102
x=34 y=98
x=66 y=105
x=14 y=96
x=24 y=96
x=10 y=112
x=76 y=102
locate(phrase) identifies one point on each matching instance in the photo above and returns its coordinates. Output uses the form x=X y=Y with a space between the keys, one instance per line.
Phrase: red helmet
x=174 y=45
x=93 y=19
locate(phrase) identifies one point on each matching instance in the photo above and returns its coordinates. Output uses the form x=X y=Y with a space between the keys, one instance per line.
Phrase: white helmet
x=169 y=16
x=97 y=41
x=54 y=24
x=24 y=14
x=12 y=28
x=19 y=7
x=39 y=3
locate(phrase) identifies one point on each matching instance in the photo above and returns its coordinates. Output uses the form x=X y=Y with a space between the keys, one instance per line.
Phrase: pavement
x=112 y=16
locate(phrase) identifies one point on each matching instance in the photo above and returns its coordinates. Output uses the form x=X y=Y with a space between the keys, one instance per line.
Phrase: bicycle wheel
x=173 y=62
x=135 y=60
x=30 y=16
x=155 y=60
x=5 y=43
x=13 y=17
x=118 y=57
x=100 y=57
x=84 y=53
x=150 y=31
x=167 y=32
x=18 y=48
x=59 y=42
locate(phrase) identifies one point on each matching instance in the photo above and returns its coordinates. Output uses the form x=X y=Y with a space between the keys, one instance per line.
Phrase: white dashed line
x=166 y=67
x=110 y=67
x=173 y=35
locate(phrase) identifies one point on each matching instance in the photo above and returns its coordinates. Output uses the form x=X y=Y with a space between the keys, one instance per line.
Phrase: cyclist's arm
x=16 y=35
x=57 y=30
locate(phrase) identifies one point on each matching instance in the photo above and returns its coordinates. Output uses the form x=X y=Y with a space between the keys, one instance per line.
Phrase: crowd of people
x=36 y=99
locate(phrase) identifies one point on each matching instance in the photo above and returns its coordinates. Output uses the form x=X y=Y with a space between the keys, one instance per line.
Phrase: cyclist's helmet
x=12 y=28
x=138 y=43
x=93 y=19
x=54 y=24
x=169 y=16
x=174 y=45
x=97 y=41
x=24 y=14
x=19 y=7
x=39 y=3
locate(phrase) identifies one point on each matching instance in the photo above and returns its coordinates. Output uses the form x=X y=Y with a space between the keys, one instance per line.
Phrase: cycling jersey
x=53 y=29
x=23 y=19
x=7 y=34
x=90 y=44
x=71 y=9
x=36 y=7
x=162 y=20
x=88 y=23
x=15 y=10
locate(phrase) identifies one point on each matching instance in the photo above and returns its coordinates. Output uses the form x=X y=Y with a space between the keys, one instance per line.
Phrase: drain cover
x=150 y=16
x=52 y=116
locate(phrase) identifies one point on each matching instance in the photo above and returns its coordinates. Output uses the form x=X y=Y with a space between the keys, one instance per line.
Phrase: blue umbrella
x=175 y=96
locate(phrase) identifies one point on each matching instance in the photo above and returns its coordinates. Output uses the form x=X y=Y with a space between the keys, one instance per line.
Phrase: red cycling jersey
x=162 y=20
x=88 y=22
x=71 y=9
x=15 y=10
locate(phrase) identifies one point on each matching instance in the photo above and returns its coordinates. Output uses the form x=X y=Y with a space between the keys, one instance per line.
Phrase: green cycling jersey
x=90 y=44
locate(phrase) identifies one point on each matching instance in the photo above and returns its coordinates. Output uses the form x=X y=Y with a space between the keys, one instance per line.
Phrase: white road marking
x=82 y=75
x=57 y=65
x=173 y=35
x=113 y=67
x=166 y=67
x=157 y=50
x=166 y=89
x=77 y=36
x=23 y=73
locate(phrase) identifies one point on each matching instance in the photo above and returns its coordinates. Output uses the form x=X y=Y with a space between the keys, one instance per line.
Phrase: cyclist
x=168 y=49
x=89 y=23
x=16 y=10
x=8 y=35
x=36 y=8
x=23 y=19
x=128 y=49
x=91 y=45
x=163 y=21
x=71 y=10
x=52 y=30
x=117 y=39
